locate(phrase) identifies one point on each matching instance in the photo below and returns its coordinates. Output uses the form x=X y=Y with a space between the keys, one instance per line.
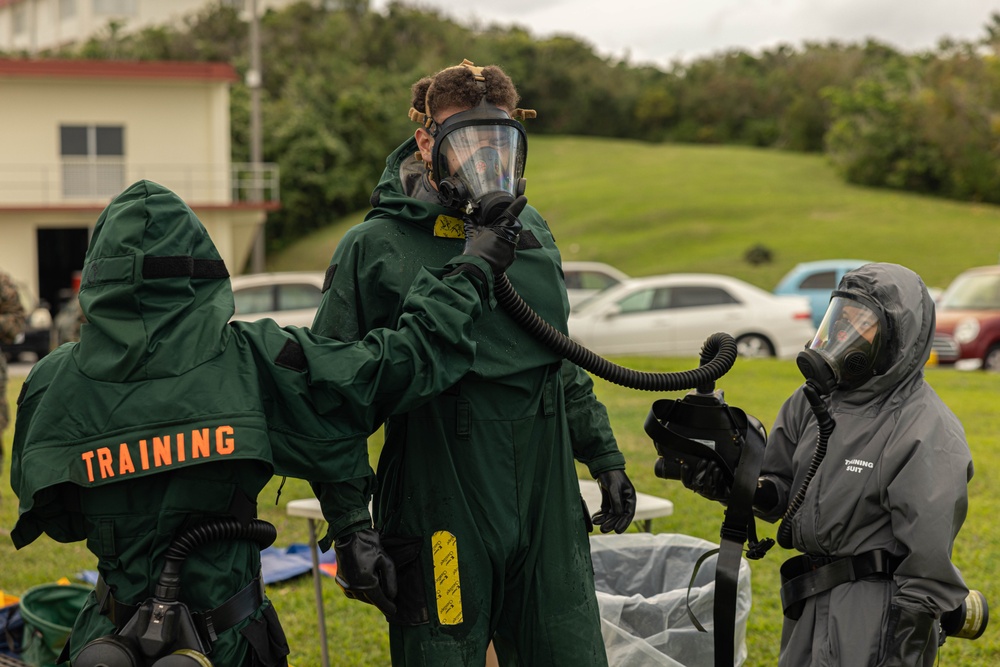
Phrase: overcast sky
x=661 y=31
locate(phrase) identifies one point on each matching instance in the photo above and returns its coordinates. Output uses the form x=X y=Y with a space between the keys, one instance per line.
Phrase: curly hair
x=459 y=86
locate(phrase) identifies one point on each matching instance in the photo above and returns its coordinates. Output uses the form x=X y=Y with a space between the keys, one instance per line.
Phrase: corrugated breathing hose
x=168 y=585
x=826 y=426
x=718 y=354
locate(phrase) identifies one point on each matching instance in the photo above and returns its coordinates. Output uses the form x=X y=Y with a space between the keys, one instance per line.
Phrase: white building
x=75 y=133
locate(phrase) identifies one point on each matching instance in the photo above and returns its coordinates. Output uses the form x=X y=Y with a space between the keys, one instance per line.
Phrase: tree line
x=337 y=77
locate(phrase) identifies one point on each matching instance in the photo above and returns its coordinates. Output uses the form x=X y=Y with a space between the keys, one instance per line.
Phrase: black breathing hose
x=717 y=355
x=168 y=585
x=826 y=425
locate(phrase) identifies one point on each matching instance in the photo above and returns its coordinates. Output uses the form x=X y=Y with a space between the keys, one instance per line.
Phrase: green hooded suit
x=165 y=415
x=478 y=499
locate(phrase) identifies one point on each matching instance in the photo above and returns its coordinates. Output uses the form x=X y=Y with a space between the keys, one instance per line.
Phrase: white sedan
x=289 y=298
x=673 y=315
x=585 y=279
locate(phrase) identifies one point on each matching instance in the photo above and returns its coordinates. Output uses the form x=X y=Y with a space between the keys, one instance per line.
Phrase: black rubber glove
x=617 y=501
x=909 y=634
x=706 y=478
x=765 y=498
x=495 y=241
x=365 y=571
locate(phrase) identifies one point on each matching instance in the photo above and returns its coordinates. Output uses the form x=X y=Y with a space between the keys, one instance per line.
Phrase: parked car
x=967 y=333
x=673 y=315
x=289 y=298
x=585 y=279
x=36 y=339
x=815 y=280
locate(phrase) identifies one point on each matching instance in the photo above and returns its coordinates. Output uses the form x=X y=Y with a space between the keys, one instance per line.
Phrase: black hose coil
x=718 y=354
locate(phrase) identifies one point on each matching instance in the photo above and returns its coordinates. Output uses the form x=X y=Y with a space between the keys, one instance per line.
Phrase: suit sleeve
x=783 y=440
x=928 y=466
x=389 y=371
x=594 y=444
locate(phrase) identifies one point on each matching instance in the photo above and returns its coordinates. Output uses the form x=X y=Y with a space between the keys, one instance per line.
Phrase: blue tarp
x=277 y=564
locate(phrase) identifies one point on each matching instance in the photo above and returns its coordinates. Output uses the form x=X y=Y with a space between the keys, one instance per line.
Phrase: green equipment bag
x=49 y=612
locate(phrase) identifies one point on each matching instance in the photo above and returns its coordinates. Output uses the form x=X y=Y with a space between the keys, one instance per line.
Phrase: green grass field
x=655 y=209
x=650 y=209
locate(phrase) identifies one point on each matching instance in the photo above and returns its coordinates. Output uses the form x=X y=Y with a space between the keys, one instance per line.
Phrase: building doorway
x=60 y=256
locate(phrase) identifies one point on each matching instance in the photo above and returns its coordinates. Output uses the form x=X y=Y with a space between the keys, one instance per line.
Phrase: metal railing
x=95 y=182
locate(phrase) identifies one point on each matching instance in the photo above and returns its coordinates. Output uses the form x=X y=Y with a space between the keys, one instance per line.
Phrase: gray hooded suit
x=894 y=478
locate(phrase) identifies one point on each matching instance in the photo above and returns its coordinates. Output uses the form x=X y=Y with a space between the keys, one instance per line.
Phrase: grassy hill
x=651 y=209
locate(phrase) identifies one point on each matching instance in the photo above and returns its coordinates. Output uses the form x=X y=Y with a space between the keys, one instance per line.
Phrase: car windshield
x=975 y=291
x=587 y=300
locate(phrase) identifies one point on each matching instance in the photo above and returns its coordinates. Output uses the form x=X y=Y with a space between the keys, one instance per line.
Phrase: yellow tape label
x=448 y=227
x=447 y=587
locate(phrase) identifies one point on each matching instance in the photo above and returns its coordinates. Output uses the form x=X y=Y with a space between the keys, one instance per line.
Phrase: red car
x=968 y=320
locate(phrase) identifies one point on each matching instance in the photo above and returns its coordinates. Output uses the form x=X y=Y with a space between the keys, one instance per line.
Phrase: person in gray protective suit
x=877 y=521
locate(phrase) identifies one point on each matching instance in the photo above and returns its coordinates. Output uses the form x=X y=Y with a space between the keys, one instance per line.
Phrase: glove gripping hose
x=718 y=354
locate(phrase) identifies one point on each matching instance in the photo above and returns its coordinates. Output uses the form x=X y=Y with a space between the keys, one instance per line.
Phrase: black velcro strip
x=210 y=268
x=527 y=241
x=167 y=267
x=182 y=266
x=292 y=357
x=328 y=278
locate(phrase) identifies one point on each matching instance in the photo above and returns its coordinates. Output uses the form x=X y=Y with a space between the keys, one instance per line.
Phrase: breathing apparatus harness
x=162 y=631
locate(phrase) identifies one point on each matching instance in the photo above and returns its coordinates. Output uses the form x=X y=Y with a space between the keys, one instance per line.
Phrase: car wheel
x=754 y=346
x=991 y=362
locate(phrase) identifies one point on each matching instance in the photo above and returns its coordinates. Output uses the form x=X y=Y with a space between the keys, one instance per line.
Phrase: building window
x=19 y=19
x=114 y=7
x=67 y=9
x=93 y=162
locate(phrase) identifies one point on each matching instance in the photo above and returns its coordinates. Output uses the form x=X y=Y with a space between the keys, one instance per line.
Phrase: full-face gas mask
x=478 y=160
x=849 y=347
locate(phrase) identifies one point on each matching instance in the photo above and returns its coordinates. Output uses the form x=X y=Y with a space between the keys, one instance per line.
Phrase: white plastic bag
x=642 y=583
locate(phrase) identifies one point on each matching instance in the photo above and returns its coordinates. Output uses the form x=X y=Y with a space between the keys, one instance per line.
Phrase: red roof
x=118 y=69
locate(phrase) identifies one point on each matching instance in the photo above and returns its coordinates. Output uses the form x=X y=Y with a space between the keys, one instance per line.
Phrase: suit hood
x=909 y=312
x=154 y=289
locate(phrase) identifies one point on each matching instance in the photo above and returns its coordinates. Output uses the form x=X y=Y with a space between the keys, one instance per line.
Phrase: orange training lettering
x=199 y=443
x=224 y=445
x=161 y=451
x=167 y=449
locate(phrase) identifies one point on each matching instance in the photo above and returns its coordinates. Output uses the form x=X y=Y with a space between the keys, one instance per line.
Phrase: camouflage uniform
x=68 y=322
x=11 y=324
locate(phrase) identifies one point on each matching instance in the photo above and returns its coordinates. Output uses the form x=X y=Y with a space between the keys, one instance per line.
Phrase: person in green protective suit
x=478 y=502
x=165 y=415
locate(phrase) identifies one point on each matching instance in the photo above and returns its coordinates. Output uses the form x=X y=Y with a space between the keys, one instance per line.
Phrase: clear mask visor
x=849 y=337
x=485 y=157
